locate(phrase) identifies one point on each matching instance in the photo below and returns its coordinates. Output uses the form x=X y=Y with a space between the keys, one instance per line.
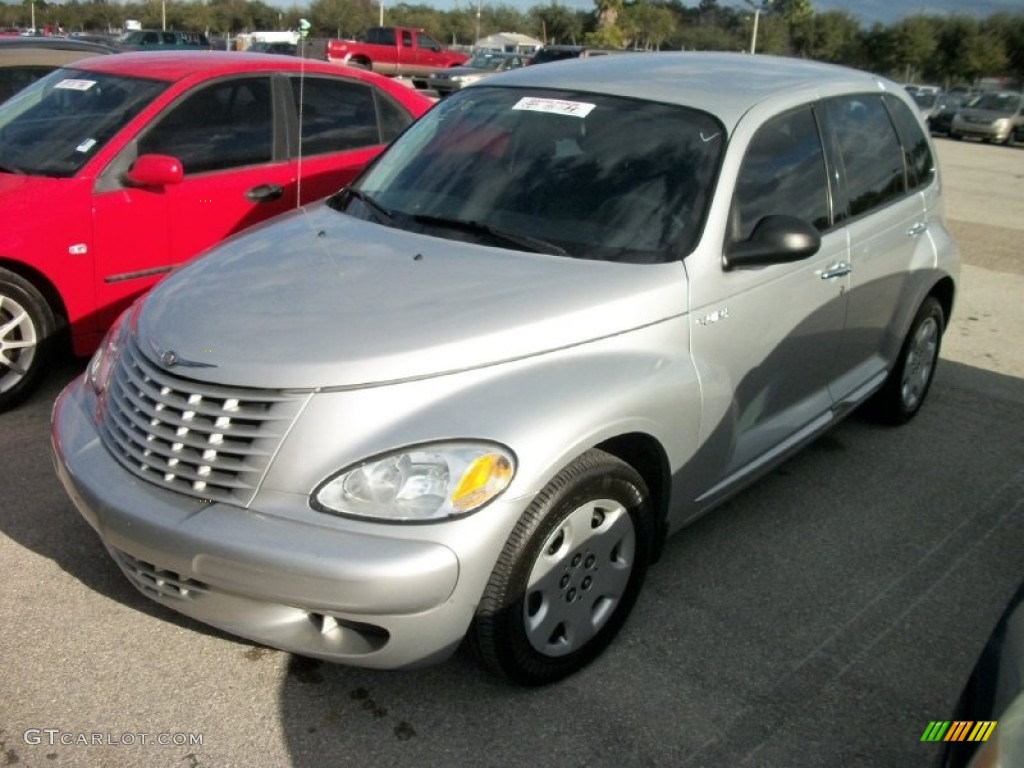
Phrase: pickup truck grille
x=207 y=441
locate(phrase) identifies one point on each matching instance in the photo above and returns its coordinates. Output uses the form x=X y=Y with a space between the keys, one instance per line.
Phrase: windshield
x=553 y=169
x=925 y=100
x=998 y=102
x=53 y=127
x=485 y=61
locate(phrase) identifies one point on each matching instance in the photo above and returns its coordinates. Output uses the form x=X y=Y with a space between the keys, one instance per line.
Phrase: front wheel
x=569 y=573
x=27 y=328
x=903 y=393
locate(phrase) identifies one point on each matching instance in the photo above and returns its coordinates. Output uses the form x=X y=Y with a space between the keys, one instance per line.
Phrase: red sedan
x=117 y=169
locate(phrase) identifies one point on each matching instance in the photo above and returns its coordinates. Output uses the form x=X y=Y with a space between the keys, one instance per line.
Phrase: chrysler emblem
x=170 y=358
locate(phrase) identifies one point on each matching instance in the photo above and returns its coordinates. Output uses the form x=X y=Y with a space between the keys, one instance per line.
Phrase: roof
x=177 y=65
x=724 y=84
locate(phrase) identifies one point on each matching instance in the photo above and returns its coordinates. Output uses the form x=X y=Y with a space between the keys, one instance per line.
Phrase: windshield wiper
x=8 y=168
x=383 y=214
x=534 y=244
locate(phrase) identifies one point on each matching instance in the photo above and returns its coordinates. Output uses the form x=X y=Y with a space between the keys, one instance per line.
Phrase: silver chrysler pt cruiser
x=466 y=398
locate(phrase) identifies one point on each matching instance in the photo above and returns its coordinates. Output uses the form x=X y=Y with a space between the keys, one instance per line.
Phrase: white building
x=509 y=42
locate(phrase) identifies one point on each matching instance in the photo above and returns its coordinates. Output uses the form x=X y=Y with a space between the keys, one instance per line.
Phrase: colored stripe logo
x=958 y=730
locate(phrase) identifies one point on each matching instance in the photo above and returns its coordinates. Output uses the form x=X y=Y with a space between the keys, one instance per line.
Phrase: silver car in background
x=990 y=117
x=480 y=65
x=466 y=399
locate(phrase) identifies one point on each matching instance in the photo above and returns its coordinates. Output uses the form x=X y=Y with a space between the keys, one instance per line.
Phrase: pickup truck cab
x=394 y=51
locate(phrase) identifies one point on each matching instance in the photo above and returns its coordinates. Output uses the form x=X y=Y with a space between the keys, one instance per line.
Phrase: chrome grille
x=157 y=582
x=210 y=442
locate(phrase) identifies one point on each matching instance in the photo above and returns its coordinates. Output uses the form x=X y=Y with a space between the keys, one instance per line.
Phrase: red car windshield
x=53 y=127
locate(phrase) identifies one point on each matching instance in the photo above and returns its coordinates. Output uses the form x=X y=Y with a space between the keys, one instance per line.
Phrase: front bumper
x=320 y=591
x=980 y=131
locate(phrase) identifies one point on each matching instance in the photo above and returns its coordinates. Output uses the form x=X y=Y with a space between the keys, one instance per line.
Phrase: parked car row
x=995 y=116
x=466 y=398
x=118 y=168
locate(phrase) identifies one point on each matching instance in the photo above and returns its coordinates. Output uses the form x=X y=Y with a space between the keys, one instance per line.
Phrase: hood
x=988 y=114
x=320 y=299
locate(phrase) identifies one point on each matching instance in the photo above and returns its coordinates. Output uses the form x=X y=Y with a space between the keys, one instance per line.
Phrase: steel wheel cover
x=579 y=577
x=18 y=342
x=917 y=371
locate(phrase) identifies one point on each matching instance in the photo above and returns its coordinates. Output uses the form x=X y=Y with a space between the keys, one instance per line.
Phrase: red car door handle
x=264 y=193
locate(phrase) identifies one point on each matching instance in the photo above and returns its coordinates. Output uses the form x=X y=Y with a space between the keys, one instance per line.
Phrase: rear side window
x=871 y=152
x=783 y=173
x=916 y=152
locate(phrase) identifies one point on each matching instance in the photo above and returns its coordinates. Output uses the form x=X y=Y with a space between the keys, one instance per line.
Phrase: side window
x=406 y=39
x=220 y=126
x=169 y=38
x=151 y=38
x=783 y=172
x=916 y=153
x=426 y=41
x=336 y=116
x=870 y=151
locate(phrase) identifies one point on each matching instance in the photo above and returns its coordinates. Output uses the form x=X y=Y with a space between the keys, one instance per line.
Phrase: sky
x=867 y=11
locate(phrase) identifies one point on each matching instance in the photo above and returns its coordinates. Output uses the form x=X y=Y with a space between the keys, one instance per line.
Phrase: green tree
x=914 y=42
x=555 y=24
x=645 y=25
x=836 y=37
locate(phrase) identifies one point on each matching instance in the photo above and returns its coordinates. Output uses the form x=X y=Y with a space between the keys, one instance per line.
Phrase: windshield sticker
x=75 y=85
x=86 y=145
x=555 y=106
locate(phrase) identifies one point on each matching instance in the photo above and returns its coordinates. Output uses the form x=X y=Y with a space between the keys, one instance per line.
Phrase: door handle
x=264 y=193
x=917 y=229
x=836 y=270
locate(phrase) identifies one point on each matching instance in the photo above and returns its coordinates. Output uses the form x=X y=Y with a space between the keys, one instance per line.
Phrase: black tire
x=956 y=136
x=904 y=392
x=592 y=524
x=27 y=334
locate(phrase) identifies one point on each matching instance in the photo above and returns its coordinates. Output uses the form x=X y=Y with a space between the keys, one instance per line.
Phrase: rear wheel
x=27 y=328
x=903 y=393
x=569 y=574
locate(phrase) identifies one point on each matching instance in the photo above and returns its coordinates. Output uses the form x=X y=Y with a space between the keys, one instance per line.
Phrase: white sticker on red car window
x=554 y=106
x=75 y=85
x=86 y=145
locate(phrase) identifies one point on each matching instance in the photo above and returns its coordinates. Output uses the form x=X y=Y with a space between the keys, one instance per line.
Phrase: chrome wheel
x=920 y=361
x=19 y=339
x=579 y=577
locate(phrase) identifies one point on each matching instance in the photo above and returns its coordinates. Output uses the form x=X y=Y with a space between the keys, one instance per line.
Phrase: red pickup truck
x=394 y=51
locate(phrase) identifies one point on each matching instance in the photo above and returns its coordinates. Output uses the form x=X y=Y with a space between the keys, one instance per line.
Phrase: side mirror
x=155 y=171
x=775 y=240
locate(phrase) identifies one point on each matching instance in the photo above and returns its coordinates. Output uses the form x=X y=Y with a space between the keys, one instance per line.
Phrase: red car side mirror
x=155 y=171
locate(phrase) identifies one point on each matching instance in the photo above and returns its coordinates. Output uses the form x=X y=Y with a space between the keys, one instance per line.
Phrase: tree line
x=945 y=50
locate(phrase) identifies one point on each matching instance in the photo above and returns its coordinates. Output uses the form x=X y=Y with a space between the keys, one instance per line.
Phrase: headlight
x=105 y=358
x=465 y=79
x=1002 y=124
x=419 y=484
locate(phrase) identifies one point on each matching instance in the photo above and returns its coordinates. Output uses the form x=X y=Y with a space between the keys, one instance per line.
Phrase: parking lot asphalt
x=821 y=618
